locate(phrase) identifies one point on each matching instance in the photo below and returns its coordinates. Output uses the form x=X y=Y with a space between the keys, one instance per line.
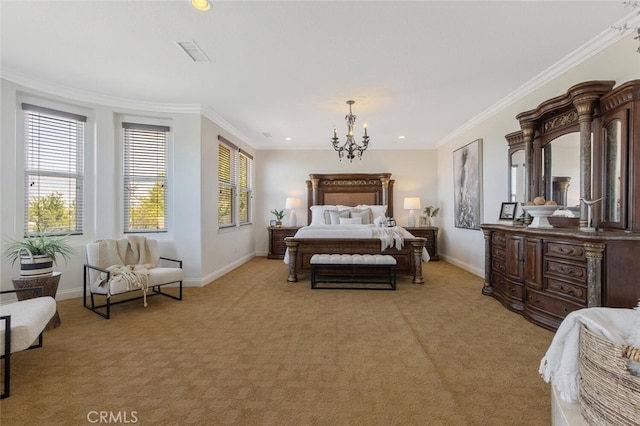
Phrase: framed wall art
x=467 y=185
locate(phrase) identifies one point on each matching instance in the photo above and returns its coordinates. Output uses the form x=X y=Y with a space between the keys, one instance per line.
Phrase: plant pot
x=278 y=224
x=32 y=266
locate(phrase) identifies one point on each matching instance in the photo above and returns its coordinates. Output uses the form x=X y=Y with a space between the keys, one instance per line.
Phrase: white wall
x=222 y=249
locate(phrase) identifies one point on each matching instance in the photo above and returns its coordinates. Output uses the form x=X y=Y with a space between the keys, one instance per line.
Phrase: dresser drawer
x=499 y=253
x=567 y=289
x=498 y=239
x=550 y=304
x=564 y=250
x=498 y=266
x=565 y=270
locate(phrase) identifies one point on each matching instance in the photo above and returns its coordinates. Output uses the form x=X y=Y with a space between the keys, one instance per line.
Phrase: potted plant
x=430 y=212
x=37 y=254
x=279 y=214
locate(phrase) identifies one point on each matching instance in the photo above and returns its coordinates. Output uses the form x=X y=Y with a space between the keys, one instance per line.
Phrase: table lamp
x=291 y=204
x=411 y=204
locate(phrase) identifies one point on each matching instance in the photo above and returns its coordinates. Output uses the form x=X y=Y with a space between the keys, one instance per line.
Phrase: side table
x=50 y=287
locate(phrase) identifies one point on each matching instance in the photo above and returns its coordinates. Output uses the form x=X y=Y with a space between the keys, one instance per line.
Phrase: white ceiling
x=420 y=69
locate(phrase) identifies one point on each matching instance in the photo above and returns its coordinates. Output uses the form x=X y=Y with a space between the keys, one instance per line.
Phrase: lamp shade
x=292 y=203
x=412 y=203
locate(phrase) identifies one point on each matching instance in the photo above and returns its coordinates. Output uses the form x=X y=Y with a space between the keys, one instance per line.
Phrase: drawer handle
x=565 y=310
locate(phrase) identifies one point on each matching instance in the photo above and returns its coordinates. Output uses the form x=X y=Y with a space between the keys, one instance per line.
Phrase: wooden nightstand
x=277 y=246
x=431 y=235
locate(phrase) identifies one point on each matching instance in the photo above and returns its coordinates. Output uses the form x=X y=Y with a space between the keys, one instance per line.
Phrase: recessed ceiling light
x=400 y=137
x=287 y=139
x=202 y=5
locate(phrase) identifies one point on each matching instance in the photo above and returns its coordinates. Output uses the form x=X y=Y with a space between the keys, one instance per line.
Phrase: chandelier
x=351 y=147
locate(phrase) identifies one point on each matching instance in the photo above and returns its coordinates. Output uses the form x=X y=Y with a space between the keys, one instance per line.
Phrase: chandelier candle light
x=350 y=146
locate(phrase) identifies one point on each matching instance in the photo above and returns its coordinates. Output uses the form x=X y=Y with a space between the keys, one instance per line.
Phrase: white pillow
x=377 y=210
x=366 y=215
x=317 y=214
x=341 y=207
x=351 y=221
x=336 y=215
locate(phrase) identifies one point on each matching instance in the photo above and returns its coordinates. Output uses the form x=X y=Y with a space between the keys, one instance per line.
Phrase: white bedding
x=390 y=237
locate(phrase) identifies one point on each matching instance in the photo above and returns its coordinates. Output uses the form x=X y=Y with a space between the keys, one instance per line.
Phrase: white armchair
x=125 y=265
x=21 y=324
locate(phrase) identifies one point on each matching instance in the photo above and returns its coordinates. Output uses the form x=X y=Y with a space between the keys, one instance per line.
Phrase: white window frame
x=235 y=185
x=141 y=172
x=40 y=172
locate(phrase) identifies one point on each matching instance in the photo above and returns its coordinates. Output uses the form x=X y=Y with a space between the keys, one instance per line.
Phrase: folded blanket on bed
x=560 y=365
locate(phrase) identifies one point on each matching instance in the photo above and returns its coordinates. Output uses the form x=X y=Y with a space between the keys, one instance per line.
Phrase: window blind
x=244 y=187
x=54 y=172
x=226 y=185
x=145 y=177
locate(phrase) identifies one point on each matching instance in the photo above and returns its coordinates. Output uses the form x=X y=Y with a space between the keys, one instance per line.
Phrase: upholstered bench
x=368 y=270
x=21 y=324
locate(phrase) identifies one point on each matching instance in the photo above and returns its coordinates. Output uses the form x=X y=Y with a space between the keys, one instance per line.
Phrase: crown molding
x=94 y=98
x=589 y=49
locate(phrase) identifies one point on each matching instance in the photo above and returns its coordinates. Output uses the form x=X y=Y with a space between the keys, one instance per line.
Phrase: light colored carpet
x=252 y=349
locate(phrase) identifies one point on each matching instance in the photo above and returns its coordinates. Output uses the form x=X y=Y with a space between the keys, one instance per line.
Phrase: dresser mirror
x=561 y=170
x=516 y=176
x=612 y=173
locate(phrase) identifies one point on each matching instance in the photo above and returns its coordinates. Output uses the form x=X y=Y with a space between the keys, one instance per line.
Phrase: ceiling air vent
x=193 y=50
x=267 y=134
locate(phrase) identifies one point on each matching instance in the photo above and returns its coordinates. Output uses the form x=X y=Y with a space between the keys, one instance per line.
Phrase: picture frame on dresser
x=508 y=211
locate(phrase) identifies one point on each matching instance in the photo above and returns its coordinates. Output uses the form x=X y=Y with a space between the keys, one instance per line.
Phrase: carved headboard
x=350 y=189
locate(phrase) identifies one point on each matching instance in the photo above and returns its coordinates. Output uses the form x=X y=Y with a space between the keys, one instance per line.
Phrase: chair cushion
x=28 y=319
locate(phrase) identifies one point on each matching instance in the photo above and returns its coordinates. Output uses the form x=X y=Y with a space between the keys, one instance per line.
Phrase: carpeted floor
x=252 y=349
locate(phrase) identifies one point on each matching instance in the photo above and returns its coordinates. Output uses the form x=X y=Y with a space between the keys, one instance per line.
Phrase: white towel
x=560 y=364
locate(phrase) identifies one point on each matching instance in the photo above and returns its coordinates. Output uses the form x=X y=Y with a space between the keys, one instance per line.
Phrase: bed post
x=292 y=247
x=385 y=190
x=417 y=247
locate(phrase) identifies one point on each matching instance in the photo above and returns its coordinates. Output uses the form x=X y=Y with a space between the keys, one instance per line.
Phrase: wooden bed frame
x=351 y=190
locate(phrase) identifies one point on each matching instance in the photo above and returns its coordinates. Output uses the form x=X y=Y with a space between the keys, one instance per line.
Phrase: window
x=54 y=142
x=145 y=177
x=234 y=184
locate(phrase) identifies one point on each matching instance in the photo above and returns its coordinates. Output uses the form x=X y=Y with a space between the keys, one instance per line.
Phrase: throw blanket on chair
x=128 y=260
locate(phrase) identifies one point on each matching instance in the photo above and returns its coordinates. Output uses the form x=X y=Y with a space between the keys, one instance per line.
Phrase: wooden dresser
x=544 y=274
x=587 y=139
x=277 y=246
x=430 y=233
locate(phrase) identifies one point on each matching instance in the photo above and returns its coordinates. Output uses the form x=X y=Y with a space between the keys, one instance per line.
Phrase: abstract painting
x=467 y=184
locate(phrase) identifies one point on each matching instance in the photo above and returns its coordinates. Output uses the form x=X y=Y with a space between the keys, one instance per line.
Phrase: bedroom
x=278 y=173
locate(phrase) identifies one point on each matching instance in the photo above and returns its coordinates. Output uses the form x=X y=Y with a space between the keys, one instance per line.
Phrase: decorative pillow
x=336 y=215
x=317 y=214
x=341 y=207
x=377 y=210
x=351 y=221
x=366 y=215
